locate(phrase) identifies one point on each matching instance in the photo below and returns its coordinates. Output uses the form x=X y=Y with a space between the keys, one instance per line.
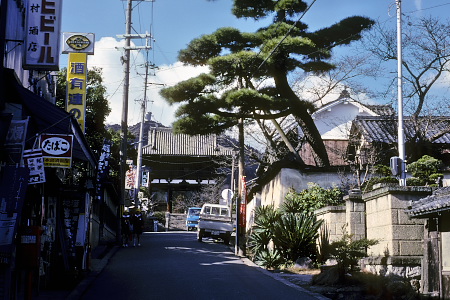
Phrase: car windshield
x=194 y=212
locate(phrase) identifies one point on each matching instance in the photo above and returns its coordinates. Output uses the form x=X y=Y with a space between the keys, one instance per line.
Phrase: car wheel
x=188 y=228
x=199 y=235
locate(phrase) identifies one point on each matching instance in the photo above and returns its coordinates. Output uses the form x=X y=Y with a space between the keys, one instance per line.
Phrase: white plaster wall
x=334 y=123
x=275 y=191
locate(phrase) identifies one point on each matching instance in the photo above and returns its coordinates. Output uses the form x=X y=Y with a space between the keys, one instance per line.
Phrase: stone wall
x=387 y=221
x=355 y=216
x=379 y=214
x=335 y=219
x=175 y=221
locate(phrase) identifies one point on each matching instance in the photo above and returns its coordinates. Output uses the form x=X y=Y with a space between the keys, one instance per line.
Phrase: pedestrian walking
x=126 y=229
x=138 y=226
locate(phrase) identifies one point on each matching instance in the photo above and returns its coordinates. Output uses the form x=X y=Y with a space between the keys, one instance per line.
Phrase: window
x=215 y=211
x=445 y=240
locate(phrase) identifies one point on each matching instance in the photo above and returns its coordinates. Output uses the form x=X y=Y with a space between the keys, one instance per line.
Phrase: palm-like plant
x=295 y=234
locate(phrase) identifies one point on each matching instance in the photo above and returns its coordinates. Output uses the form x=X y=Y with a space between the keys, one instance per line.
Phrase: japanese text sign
x=35 y=163
x=43 y=32
x=76 y=86
x=57 y=150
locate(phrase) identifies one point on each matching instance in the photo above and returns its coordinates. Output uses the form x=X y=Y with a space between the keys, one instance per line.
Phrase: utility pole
x=141 y=136
x=140 y=142
x=126 y=83
x=401 y=136
x=241 y=199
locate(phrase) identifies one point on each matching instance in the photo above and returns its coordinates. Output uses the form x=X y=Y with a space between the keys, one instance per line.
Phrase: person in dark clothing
x=138 y=226
x=126 y=229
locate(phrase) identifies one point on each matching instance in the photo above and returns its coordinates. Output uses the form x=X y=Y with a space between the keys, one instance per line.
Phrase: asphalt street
x=173 y=265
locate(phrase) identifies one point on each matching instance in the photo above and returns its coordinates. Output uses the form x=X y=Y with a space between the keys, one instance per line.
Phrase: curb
x=284 y=281
x=250 y=263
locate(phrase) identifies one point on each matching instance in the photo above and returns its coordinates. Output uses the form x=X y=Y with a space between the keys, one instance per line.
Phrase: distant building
x=183 y=163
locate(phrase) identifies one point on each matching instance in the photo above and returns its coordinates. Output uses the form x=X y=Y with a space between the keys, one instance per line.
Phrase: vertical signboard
x=76 y=86
x=35 y=162
x=15 y=141
x=43 y=28
x=145 y=177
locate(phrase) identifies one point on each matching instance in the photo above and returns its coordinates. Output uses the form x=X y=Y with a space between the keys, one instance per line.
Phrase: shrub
x=323 y=244
x=160 y=216
x=368 y=185
x=295 y=235
x=269 y=259
x=310 y=199
x=424 y=171
x=348 y=251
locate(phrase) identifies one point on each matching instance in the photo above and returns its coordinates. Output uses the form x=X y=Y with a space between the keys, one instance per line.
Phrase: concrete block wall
x=335 y=219
x=388 y=223
x=355 y=216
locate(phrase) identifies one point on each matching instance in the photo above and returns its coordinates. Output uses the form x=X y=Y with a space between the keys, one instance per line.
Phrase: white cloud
x=108 y=57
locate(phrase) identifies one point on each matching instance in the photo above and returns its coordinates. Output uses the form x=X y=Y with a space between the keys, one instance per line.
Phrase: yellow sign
x=76 y=86
x=58 y=162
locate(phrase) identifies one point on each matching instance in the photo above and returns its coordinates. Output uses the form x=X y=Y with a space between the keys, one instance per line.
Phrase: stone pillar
x=355 y=215
x=400 y=247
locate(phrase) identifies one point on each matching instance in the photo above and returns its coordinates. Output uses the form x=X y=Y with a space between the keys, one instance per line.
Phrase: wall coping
x=384 y=190
x=329 y=209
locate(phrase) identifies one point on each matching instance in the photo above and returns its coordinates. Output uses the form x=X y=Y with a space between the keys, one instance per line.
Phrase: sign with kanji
x=35 y=162
x=76 y=87
x=145 y=176
x=57 y=150
x=43 y=30
x=15 y=140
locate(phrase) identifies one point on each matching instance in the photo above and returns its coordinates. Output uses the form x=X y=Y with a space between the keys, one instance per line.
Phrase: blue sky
x=174 y=23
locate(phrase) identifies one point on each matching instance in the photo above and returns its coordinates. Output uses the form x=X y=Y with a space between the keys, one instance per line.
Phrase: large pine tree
x=240 y=61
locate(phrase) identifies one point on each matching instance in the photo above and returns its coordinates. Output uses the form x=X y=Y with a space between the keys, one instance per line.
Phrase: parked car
x=192 y=217
x=216 y=222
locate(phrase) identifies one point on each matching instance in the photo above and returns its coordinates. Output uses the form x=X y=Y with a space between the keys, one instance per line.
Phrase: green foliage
x=383 y=170
x=348 y=251
x=160 y=216
x=323 y=244
x=265 y=216
x=212 y=103
x=311 y=199
x=292 y=235
x=368 y=185
x=424 y=171
x=261 y=236
x=269 y=259
x=295 y=234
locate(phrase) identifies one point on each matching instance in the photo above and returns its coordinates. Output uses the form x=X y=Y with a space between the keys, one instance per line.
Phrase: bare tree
x=426 y=56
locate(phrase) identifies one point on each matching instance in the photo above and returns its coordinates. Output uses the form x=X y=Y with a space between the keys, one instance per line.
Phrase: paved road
x=174 y=265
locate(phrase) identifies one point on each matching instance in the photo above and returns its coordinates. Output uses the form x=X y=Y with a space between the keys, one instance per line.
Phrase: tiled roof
x=382 y=110
x=384 y=129
x=437 y=202
x=162 y=141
